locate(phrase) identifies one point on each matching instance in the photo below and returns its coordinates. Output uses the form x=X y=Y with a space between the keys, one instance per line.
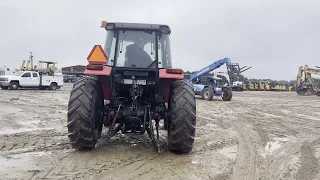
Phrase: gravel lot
x=257 y=135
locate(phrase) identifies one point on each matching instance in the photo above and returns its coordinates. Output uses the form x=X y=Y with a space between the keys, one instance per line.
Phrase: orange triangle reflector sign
x=97 y=56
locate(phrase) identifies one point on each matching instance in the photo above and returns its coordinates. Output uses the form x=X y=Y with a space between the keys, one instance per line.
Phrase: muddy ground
x=257 y=135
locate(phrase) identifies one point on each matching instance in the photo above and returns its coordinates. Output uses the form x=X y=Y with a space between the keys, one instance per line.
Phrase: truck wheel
x=207 y=94
x=227 y=95
x=181 y=117
x=85 y=113
x=14 y=85
x=53 y=86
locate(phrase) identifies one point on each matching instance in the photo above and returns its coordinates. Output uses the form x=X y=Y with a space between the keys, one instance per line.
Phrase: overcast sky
x=275 y=37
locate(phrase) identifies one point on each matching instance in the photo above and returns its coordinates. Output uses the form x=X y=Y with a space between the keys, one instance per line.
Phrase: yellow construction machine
x=261 y=86
x=256 y=86
x=249 y=86
x=267 y=85
x=282 y=86
x=290 y=87
x=274 y=86
x=305 y=86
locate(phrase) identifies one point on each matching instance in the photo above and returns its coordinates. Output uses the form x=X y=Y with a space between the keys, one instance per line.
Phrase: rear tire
x=182 y=117
x=53 y=86
x=227 y=95
x=207 y=94
x=85 y=113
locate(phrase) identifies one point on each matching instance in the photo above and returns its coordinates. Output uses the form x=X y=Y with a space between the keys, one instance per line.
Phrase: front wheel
x=181 y=117
x=227 y=95
x=14 y=85
x=85 y=113
x=207 y=94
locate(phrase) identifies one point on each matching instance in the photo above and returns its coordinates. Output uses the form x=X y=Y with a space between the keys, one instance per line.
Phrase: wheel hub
x=206 y=94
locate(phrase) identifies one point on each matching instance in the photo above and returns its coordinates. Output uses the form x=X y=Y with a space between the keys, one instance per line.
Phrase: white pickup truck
x=31 y=79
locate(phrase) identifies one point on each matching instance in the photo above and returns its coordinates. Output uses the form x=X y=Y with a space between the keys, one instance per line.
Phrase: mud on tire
x=182 y=117
x=85 y=113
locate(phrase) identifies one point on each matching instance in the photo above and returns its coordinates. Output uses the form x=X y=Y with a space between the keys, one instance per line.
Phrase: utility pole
x=31 y=59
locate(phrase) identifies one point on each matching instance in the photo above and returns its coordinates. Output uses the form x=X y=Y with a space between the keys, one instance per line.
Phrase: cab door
x=25 y=79
x=35 y=79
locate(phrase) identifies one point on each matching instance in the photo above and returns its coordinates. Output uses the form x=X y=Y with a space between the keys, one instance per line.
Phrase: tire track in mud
x=309 y=163
x=248 y=163
x=287 y=122
x=95 y=169
x=285 y=162
x=150 y=166
x=244 y=126
x=274 y=122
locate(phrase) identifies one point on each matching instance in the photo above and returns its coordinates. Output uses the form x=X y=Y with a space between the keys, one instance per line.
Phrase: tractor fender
x=169 y=79
x=164 y=75
x=106 y=71
x=103 y=76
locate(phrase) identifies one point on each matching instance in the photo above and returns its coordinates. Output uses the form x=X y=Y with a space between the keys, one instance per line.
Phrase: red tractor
x=131 y=87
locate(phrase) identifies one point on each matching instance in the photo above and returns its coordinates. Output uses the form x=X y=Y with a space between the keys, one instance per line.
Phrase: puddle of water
x=30 y=154
x=271 y=146
x=268 y=115
x=8 y=167
x=8 y=110
x=28 y=126
x=5 y=164
x=274 y=144
x=317 y=151
x=194 y=162
x=230 y=152
x=309 y=117
x=30 y=123
x=285 y=111
x=19 y=164
x=10 y=131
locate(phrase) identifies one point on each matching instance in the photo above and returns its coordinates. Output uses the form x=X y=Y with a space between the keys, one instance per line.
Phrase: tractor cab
x=139 y=46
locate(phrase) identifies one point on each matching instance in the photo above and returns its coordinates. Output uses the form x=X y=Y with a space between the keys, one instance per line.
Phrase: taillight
x=174 y=71
x=94 y=67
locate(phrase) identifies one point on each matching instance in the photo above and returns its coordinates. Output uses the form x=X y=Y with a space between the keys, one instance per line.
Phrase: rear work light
x=175 y=71
x=94 y=67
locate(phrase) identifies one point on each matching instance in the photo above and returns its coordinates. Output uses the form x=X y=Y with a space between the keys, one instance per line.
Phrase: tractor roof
x=143 y=26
